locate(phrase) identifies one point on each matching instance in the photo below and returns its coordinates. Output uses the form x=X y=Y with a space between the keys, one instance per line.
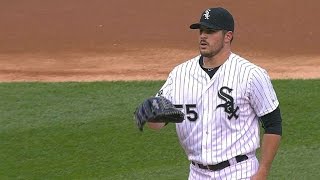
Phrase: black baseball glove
x=157 y=109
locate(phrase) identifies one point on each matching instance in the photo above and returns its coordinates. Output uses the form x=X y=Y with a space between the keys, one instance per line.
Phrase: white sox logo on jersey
x=229 y=105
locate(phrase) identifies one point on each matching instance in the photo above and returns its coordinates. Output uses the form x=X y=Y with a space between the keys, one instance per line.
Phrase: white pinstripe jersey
x=222 y=112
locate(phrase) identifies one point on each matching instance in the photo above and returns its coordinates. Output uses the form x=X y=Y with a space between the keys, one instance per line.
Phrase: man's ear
x=228 y=36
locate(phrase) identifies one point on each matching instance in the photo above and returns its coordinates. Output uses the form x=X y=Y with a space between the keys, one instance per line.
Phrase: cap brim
x=207 y=25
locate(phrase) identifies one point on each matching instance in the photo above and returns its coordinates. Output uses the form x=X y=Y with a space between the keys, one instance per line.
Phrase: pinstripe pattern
x=218 y=135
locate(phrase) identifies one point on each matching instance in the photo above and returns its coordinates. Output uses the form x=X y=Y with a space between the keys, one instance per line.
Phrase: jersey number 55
x=191 y=114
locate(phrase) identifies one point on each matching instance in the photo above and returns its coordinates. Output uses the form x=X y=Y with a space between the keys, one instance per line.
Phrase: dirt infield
x=135 y=40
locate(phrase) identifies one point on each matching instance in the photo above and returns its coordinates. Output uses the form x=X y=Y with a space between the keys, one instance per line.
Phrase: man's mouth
x=203 y=44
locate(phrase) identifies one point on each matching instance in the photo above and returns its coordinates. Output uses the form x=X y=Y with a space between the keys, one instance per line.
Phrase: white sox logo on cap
x=207 y=14
x=215 y=18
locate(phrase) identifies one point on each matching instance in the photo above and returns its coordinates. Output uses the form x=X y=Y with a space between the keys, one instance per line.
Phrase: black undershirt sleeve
x=272 y=122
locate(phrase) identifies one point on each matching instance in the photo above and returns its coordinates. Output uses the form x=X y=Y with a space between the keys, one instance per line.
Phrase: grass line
x=86 y=131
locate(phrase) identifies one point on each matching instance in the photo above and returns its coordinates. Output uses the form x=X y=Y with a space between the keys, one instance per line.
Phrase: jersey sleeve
x=166 y=89
x=262 y=96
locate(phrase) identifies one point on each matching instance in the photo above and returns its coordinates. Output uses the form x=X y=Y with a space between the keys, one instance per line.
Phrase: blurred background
x=107 y=32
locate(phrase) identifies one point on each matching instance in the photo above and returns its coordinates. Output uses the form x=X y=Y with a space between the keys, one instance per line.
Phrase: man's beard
x=208 y=54
x=211 y=53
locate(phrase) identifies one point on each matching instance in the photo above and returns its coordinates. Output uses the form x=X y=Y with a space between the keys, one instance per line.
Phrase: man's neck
x=217 y=60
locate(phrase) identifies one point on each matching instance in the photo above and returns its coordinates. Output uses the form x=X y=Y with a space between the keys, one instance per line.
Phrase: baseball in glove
x=157 y=109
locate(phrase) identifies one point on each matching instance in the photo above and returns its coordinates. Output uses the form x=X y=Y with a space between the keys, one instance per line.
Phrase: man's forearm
x=269 y=147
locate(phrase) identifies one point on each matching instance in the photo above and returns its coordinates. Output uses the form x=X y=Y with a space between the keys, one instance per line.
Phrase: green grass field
x=86 y=131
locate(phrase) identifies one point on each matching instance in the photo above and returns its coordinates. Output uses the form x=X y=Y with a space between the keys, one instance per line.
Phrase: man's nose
x=203 y=35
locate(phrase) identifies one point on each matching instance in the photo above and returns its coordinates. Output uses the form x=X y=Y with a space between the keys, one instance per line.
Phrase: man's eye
x=207 y=31
x=210 y=31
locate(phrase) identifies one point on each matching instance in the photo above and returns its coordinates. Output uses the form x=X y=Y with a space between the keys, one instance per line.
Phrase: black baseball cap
x=215 y=18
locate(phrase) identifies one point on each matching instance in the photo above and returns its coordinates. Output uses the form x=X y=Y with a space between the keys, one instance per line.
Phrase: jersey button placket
x=205 y=119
